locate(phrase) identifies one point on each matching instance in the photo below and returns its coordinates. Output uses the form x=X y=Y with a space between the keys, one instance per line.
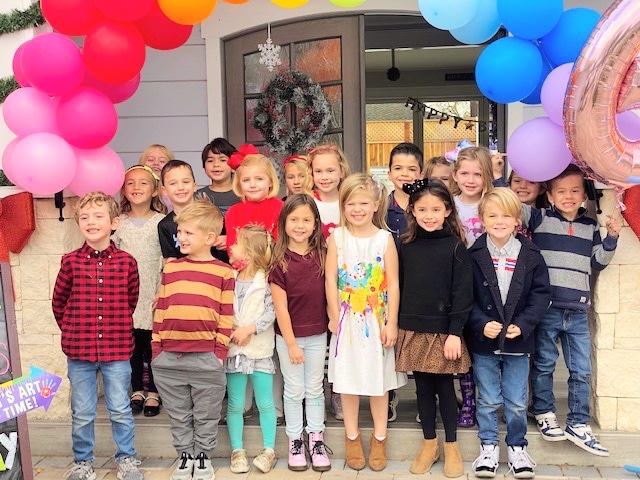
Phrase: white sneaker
x=202 y=468
x=520 y=463
x=486 y=465
x=547 y=424
x=583 y=437
x=184 y=470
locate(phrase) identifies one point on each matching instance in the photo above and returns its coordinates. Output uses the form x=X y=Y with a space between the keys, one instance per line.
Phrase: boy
x=511 y=293
x=190 y=339
x=94 y=297
x=405 y=166
x=214 y=161
x=571 y=246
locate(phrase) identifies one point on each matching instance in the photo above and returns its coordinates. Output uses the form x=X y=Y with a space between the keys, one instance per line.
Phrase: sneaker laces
x=296 y=446
x=550 y=422
x=519 y=458
x=485 y=459
x=592 y=441
x=320 y=448
x=81 y=468
x=201 y=458
x=128 y=464
x=184 y=458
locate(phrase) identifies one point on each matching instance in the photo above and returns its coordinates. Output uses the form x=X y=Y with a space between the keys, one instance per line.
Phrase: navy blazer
x=528 y=299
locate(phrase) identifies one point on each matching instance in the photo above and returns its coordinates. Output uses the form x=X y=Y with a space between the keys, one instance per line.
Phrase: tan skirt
x=424 y=352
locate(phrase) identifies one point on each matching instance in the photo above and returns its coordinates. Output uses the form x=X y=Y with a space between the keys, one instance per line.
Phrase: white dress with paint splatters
x=358 y=363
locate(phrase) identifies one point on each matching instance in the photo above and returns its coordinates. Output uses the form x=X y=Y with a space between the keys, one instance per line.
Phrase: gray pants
x=192 y=387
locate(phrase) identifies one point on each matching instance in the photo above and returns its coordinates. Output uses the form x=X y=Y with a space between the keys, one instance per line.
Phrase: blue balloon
x=448 y=14
x=529 y=19
x=483 y=26
x=564 y=42
x=508 y=70
x=534 y=97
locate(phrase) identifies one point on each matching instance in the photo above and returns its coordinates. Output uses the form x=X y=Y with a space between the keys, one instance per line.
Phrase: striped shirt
x=504 y=263
x=194 y=311
x=94 y=297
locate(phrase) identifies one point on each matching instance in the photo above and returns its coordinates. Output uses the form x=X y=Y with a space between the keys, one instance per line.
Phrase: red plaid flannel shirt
x=93 y=302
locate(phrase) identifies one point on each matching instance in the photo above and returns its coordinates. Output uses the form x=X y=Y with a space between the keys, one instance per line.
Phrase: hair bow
x=452 y=155
x=236 y=158
x=417 y=186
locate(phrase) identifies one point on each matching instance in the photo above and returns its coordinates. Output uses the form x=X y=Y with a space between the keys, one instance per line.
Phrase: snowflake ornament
x=269 y=52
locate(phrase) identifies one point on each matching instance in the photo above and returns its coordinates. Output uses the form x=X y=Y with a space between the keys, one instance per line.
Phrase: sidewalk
x=53 y=468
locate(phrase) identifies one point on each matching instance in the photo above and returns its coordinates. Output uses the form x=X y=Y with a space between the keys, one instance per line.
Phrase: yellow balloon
x=289 y=3
x=187 y=12
x=347 y=3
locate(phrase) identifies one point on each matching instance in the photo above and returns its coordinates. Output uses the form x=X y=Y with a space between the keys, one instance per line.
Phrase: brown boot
x=378 y=454
x=428 y=454
x=452 y=460
x=355 y=454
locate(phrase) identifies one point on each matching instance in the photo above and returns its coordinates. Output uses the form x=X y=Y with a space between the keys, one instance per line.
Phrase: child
x=471 y=179
x=571 y=245
x=296 y=174
x=251 y=350
x=155 y=157
x=297 y=286
x=511 y=294
x=215 y=156
x=531 y=193
x=362 y=301
x=190 y=341
x=141 y=209
x=438 y=168
x=430 y=336
x=94 y=298
x=329 y=168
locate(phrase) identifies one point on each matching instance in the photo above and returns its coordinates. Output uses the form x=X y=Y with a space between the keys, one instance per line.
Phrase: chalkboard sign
x=15 y=452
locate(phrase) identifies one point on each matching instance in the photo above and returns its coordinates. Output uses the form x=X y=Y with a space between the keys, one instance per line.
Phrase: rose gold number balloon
x=605 y=80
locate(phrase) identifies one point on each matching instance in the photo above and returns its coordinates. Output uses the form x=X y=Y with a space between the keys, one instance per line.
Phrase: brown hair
x=258 y=243
x=99 y=199
x=430 y=165
x=157 y=205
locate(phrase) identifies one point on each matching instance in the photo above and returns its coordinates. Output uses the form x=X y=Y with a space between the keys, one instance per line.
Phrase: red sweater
x=264 y=213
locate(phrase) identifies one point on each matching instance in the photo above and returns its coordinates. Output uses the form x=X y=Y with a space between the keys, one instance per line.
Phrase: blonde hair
x=505 y=199
x=257 y=160
x=345 y=171
x=98 y=199
x=258 y=243
x=165 y=151
x=431 y=164
x=157 y=205
x=482 y=155
x=302 y=165
x=203 y=214
x=363 y=183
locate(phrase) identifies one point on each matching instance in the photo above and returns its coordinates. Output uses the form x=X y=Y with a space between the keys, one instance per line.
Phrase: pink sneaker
x=297 y=458
x=318 y=451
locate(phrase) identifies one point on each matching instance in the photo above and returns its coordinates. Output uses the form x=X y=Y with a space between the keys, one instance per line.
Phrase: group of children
x=223 y=282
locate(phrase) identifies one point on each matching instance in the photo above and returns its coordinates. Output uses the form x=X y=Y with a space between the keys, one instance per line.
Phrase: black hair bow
x=416 y=186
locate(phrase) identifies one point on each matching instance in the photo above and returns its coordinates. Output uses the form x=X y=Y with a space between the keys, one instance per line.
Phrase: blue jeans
x=501 y=380
x=572 y=327
x=116 y=377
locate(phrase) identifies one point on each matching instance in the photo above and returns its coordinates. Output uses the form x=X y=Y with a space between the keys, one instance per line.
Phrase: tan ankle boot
x=428 y=454
x=378 y=454
x=452 y=460
x=355 y=454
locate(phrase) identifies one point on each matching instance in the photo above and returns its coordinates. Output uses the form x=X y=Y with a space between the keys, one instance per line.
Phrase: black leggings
x=141 y=354
x=428 y=385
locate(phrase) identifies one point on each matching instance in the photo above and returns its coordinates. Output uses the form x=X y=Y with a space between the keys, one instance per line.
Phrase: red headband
x=236 y=158
x=293 y=157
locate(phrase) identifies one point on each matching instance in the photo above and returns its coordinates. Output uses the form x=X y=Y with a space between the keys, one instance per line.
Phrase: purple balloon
x=43 y=163
x=100 y=169
x=537 y=150
x=553 y=92
x=28 y=110
x=629 y=125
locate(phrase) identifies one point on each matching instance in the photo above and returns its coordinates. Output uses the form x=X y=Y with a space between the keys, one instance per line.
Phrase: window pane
x=320 y=59
x=334 y=95
x=257 y=76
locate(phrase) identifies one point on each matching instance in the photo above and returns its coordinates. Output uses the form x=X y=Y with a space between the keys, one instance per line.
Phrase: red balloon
x=124 y=10
x=160 y=32
x=114 y=51
x=117 y=93
x=71 y=17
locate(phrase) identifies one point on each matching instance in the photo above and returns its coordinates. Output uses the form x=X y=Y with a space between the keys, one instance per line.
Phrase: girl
x=438 y=168
x=430 y=338
x=141 y=209
x=155 y=157
x=329 y=168
x=296 y=173
x=251 y=347
x=362 y=301
x=471 y=179
x=297 y=286
x=529 y=193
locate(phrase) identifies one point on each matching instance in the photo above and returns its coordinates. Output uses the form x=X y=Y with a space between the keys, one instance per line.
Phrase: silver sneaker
x=80 y=471
x=521 y=465
x=547 y=424
x=486 y=465
x=128 y=469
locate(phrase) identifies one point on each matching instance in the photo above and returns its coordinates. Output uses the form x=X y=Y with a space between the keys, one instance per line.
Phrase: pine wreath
x=269 y=116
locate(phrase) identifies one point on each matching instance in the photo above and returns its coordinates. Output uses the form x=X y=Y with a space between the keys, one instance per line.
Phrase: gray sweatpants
x=192 y=387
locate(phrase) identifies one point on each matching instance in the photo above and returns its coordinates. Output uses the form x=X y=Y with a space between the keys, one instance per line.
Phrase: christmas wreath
x=312 y=106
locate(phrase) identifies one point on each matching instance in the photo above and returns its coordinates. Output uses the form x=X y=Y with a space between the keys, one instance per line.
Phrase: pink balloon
x=117 y=93
x=553 y=92
x=87 y=118
x=43 y=163
x=53 y=64
x=28 y=110
x=537 y=150
x=17 y=66
x=8 y=162
x=629 y=125
x=100 y=169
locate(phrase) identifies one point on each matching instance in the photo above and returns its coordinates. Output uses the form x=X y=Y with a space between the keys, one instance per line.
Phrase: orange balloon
x=187 y=12
x=289 y=3
x=236 y=2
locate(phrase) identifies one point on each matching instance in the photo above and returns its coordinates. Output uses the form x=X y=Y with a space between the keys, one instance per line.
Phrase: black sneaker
x=392 y=412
